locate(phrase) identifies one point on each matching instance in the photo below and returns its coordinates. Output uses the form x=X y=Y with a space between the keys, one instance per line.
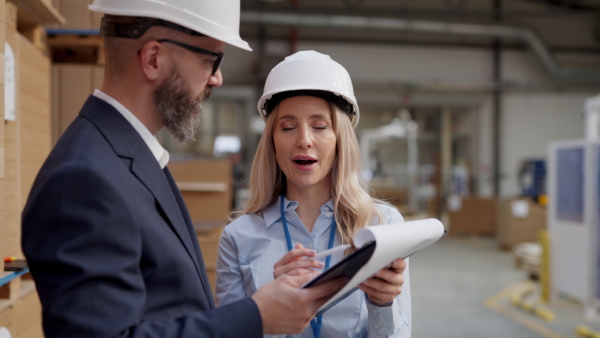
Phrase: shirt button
x=310 y=246
x=329 y=214
x=375 y=311
x=377 y=326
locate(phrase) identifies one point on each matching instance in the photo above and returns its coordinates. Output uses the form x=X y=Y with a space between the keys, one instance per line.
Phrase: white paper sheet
x=393 y=241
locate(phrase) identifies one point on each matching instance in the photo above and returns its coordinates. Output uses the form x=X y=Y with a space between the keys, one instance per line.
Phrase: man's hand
x=386 y=285
x=285 y=307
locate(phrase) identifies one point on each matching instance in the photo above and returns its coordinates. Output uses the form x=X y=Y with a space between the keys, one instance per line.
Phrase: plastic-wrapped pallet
x=528 y=256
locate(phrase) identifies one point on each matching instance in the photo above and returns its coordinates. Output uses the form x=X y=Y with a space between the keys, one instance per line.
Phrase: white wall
x=530 y=122
x=533 y=113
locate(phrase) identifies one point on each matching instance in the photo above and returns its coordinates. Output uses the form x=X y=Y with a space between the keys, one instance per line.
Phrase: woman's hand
x=386 y=284
x=294 y=263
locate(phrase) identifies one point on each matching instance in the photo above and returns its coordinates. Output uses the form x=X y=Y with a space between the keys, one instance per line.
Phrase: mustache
x=205 y=95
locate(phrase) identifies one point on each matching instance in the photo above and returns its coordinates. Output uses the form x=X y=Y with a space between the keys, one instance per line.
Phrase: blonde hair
x=353 y=207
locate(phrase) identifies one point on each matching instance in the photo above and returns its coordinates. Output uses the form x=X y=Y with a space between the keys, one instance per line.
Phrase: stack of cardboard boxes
x=398 y=197
x=206 y=186
x=24 y=145
x=71 y=86
x=73 y=82
x=3 y=188
x=511 y=221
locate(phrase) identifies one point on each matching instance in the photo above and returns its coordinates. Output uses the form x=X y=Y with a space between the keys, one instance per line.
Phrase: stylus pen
x=331 y=251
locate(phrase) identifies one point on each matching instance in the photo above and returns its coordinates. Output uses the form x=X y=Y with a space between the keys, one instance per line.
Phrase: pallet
x=76 y=48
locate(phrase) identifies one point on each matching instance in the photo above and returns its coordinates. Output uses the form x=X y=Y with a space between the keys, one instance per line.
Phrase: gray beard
x=179 y=109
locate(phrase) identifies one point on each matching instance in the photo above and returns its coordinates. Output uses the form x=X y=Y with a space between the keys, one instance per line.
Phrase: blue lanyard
x=316 y=322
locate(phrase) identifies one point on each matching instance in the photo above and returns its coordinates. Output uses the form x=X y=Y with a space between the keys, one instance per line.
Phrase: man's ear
x=151 y=57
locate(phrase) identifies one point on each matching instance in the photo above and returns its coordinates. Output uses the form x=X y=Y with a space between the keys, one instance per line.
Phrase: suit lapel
x=128 y=143
x=155 y=180
x=192 y=232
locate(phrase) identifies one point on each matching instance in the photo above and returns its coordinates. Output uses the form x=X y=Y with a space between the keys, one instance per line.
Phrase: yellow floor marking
x=492 y=301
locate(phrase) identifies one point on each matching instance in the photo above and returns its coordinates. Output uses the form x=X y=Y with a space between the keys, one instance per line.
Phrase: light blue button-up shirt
x=252 y=244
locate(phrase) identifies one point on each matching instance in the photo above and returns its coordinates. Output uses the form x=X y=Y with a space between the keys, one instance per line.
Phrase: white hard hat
x=307 y=73
x=218 y=19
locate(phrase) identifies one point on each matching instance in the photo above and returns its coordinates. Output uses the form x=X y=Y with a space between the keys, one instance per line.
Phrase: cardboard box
x=472 y=215
x=37 y=36
x=11 y=220
x=209 y=196
x=25 y=145
x=519 y=221
x=34 y=110
x=211 y=270
x=11 y=15
x=395 y=196
x=210 y=248
x=71 y=86
x=77 y=14
x=26 y=140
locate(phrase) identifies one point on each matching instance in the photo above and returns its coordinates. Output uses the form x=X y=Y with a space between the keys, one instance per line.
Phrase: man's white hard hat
x=218 y=19
x=309 y=72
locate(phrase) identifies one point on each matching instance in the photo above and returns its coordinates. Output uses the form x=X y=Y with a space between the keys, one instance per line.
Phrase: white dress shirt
x=161 y=155
x=251 y=245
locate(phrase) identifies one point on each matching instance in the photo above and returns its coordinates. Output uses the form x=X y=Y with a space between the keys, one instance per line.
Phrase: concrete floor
x=461 y=287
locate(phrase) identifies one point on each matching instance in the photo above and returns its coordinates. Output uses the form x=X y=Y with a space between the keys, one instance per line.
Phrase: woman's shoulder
x=389 y=212
x=245 y=220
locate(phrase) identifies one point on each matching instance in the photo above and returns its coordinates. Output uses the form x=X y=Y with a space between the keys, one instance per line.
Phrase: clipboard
x=378 y=246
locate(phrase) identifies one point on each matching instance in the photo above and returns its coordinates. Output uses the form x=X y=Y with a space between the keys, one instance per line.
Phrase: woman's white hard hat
x=309 y=71
x=218 y=19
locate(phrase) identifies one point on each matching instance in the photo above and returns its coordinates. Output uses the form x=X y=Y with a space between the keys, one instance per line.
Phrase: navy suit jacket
x=110 y=243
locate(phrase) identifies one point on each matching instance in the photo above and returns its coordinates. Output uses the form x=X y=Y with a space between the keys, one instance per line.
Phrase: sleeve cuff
x=382 y=319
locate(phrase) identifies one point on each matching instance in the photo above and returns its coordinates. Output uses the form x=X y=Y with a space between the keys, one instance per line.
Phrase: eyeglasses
x=217 y=62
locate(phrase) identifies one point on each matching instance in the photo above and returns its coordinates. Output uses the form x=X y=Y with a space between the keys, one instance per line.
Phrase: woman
x=306 y=197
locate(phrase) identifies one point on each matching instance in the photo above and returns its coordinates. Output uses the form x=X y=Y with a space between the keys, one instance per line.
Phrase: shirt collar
x=272 y=214
x=161 y=155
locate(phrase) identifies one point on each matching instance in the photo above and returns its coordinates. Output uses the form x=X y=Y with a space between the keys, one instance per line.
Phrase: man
x=106 y=233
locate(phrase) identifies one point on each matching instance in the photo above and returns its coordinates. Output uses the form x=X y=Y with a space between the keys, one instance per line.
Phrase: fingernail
x=395 y=264
x=321 y=264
